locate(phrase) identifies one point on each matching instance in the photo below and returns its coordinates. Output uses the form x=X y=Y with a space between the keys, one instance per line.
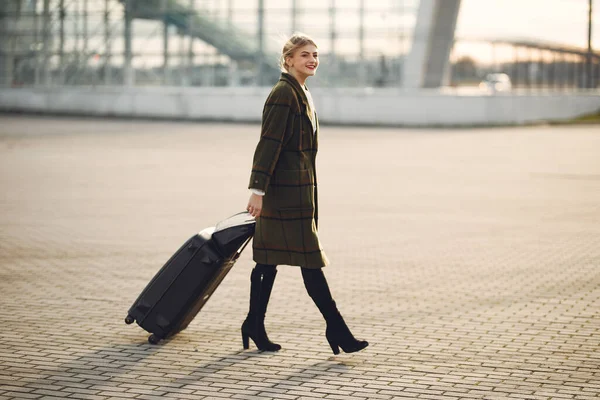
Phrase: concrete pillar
x=539 y=66
x=182 y=60
x=36 y=38
x=526 y=67
x=427 y=63
x=516 y=75
x=362 y=67
x=128 y=75
x=76 y=52
x=572 y=71
x=85 y=29
x=190 y=55
x=294 y=16
x=61 y=41
x=165 y=51
x=261 y=45
x=76 y=14
x=589 y=74
x=554 y=70
x=10 y=10
x=165 y=67
x=46 y=33
x=332 y=32
x=561 y=71
x=332 y=62
x=234 y=76
x=107 y=44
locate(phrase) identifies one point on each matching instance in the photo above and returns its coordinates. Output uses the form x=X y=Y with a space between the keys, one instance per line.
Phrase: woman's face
x=305 y=61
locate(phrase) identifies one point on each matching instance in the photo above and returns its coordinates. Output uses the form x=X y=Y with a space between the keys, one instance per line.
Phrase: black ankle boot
x=261 y=284
x=337 y=333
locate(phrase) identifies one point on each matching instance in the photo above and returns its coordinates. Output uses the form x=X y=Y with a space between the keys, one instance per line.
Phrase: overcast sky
x=558 y=21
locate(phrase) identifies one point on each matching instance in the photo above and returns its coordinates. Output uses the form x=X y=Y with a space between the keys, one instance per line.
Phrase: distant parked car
x=496 y=83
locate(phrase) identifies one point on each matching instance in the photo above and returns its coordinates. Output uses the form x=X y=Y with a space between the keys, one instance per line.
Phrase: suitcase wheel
x=153 y=339
x=129 y=319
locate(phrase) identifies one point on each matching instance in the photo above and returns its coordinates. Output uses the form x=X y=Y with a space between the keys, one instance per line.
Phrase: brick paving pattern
x=470 y=260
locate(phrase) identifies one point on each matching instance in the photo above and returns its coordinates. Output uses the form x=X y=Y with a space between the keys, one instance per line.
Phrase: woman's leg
x=261 y=284
x=337 y=333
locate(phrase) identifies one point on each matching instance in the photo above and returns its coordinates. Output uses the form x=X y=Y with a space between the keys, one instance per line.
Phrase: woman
x=284 y=200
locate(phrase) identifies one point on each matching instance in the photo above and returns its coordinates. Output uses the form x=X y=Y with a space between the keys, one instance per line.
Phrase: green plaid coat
x=284 y=168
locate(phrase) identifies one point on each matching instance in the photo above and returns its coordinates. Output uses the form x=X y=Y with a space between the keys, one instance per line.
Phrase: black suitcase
x=185 y=283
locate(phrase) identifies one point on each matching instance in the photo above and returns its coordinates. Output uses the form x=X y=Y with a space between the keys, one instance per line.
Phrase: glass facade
x=200 y=42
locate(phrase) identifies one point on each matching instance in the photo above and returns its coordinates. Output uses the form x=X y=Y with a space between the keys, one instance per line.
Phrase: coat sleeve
x=276 y=121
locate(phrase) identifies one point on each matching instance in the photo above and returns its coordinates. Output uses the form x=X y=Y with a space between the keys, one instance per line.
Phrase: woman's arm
x=277 y=112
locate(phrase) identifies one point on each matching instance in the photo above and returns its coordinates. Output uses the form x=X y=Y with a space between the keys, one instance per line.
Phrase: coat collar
x=289 y=78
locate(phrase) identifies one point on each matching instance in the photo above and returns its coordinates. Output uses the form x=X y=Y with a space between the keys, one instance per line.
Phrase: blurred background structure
x=386 y=44
x=199 y=42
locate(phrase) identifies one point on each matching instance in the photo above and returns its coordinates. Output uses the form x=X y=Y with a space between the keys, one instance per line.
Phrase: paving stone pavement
x=470 y=260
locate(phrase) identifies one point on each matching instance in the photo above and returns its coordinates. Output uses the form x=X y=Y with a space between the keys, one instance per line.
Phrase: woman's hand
x=254 y=206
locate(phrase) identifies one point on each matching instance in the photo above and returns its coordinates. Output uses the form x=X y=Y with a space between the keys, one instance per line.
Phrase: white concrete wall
x=337 y=106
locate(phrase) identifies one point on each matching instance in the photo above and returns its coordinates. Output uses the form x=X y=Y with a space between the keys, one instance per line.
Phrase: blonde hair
x=296 y=41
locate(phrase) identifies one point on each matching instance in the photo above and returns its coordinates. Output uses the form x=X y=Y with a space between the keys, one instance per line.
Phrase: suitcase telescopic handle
x=239 y=252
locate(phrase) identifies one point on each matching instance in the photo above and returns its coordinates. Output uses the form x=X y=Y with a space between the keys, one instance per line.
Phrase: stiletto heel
x=245 y=341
